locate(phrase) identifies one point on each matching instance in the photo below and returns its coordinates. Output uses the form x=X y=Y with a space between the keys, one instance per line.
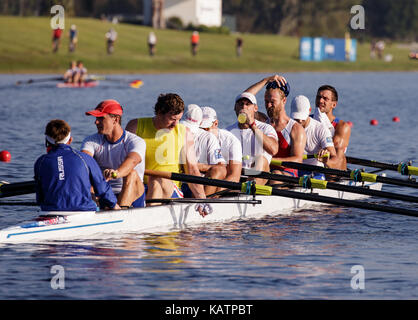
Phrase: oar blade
x=136 y=84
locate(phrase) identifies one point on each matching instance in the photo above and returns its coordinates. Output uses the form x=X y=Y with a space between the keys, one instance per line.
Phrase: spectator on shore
x=413 y=55
x=152 y=42
x=380 y=47
x=73 y=38
x=56 y=39
x=194 y=42
x=111 y=37
x=239 y=46
x=373 y=49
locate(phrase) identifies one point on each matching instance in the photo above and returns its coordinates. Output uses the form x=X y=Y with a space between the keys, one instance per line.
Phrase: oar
x=16 y=189
x=311 y=183
x=136 y=84
x=402 y=168
x=311 y=156
x=248 y=187
x=194 y=200
x=39 y=80
x=356 y=175
x=19 y=203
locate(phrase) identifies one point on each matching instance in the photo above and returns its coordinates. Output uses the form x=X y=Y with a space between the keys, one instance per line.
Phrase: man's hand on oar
x=323 y=154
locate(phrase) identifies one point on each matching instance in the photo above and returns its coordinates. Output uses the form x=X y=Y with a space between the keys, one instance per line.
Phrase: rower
x=80 y=74
x=326 y=101
x=120 y=154
x=258 y=139
x=318 y=137
x=170 y=146
x=208 y=151
x=291 y=135
x=69 y=74
x=230 y=145
x=65 y=176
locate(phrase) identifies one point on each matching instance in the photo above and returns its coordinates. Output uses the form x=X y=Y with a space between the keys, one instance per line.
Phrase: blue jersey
x=64 y=178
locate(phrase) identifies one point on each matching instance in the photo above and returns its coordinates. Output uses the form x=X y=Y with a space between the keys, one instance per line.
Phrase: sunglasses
x=274 y=85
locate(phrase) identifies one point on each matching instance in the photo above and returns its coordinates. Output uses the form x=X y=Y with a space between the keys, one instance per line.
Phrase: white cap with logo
x=193 y=115
x=247 y=95
x=300 y=108
x=208 y=117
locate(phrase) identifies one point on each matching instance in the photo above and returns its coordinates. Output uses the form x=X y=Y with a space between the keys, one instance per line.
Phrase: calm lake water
x=308 y=255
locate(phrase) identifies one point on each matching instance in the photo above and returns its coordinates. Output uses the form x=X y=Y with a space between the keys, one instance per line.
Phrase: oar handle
x=316 y=156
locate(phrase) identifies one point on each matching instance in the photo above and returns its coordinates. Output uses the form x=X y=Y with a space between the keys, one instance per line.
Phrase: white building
x=196 y=12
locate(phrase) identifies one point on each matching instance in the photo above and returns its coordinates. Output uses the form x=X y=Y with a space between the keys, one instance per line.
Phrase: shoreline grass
x=26 y=48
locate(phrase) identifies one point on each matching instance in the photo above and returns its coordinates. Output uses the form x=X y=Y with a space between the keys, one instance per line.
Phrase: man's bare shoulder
x=298 y=130
x=343 y=128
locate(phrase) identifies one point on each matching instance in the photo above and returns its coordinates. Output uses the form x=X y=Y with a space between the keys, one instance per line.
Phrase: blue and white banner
x=319 y=49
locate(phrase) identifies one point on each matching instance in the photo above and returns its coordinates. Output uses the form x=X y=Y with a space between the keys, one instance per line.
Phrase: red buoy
x=5 y=156
x=374 y=122
x=396 y=119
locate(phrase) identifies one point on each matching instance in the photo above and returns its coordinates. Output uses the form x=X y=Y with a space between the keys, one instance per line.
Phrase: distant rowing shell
x=89 y=84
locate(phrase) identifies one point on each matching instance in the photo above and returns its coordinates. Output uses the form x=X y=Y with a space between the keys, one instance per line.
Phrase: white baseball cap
x=208 y=117
x=193 y=115
x=248 y=96
x=300 y=108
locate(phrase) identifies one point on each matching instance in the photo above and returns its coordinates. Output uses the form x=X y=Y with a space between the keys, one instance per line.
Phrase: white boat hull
x=160 y=218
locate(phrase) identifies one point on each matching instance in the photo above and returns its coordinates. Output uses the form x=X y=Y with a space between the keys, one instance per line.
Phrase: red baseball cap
x=106 y=107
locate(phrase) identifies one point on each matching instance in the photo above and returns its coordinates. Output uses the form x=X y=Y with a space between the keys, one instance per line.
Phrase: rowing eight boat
x=162 y=218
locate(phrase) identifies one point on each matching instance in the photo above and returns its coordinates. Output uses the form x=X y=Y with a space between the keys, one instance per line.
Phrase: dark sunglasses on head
x=274 y=85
